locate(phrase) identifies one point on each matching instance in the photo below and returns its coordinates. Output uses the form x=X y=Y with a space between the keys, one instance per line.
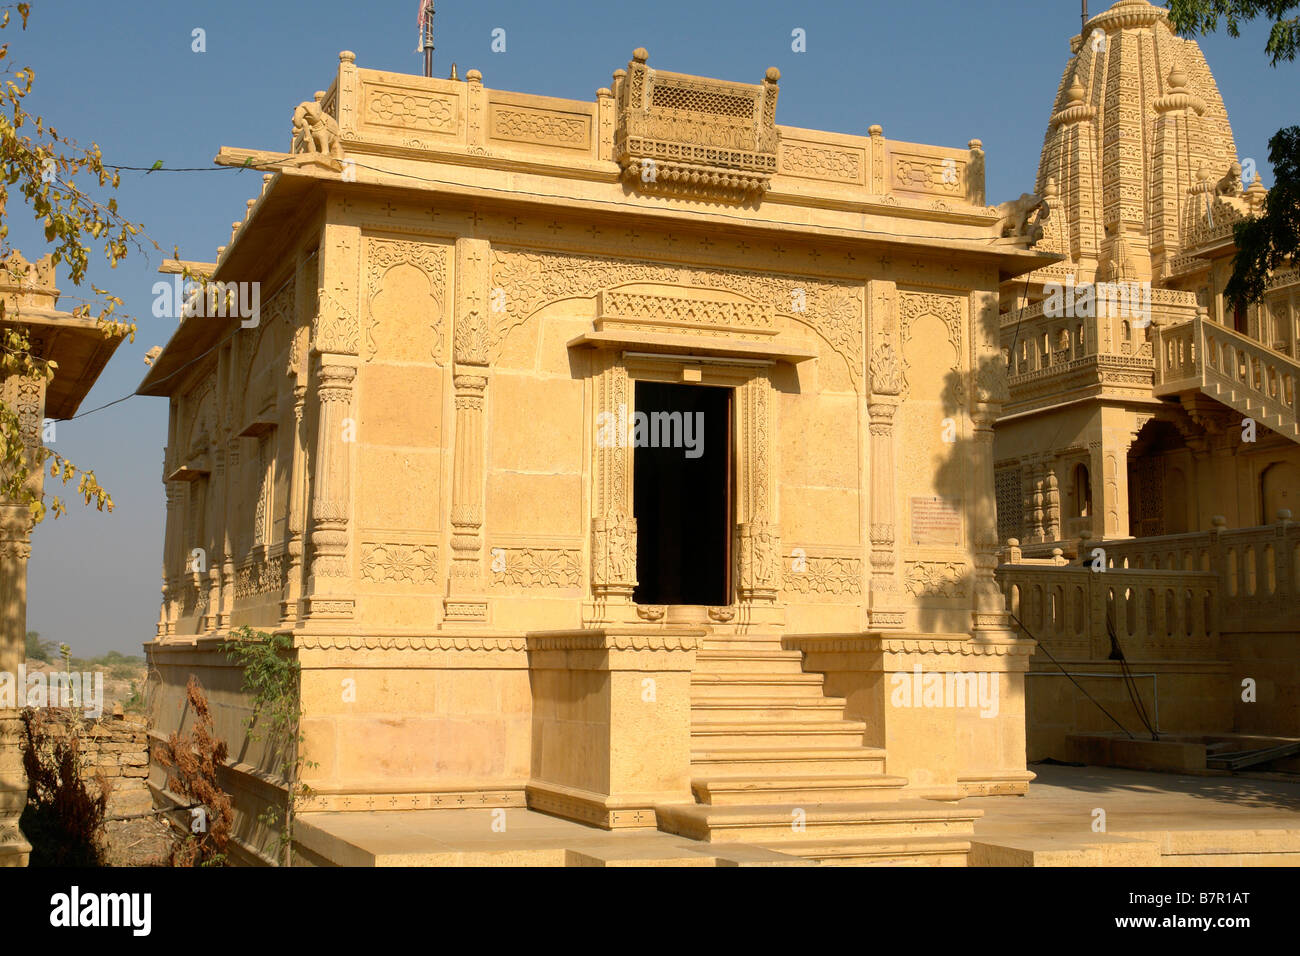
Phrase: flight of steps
x=1222 y=391
x=766 y=742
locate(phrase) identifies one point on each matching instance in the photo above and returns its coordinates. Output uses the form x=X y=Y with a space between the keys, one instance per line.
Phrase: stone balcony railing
x=1154 y=613
x=1201 y=355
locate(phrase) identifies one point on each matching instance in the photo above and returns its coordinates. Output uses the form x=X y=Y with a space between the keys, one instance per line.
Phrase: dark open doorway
x=681 y=493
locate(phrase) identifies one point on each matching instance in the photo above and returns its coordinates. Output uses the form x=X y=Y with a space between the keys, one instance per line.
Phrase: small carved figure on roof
x=315 y=131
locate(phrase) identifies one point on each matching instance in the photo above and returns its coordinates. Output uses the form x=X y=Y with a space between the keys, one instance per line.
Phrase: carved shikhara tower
x=400 y=466
x=1116 y=427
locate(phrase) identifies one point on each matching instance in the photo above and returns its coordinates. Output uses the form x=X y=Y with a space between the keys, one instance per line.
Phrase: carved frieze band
x=935 y=579
x=531 y=280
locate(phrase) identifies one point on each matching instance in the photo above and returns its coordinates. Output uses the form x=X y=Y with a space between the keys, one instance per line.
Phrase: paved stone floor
x=1150 y=819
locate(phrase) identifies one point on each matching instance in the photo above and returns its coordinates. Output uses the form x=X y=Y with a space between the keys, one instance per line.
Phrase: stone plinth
x=611 y=723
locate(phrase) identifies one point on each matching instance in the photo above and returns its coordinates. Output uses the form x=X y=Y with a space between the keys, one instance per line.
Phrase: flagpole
x=426 y=35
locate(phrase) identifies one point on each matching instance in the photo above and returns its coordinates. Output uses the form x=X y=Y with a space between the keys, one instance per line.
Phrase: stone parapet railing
x=1154 y=613
x=1258 y=569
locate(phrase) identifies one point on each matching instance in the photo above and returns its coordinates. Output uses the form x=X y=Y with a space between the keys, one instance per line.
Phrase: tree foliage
x=1190 y=17
x=53 y=176
x=1265 y=242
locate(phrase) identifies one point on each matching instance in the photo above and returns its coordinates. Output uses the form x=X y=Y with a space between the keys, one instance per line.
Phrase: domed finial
x=1074 y=95
x=1203 y=173
x=1050 y=191
x=347 y=56
x=640 y=54
x=773 y=74
x=1177 y=78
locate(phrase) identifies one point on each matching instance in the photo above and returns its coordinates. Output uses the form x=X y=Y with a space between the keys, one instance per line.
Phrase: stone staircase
x=1203 y=357
x=770 y=750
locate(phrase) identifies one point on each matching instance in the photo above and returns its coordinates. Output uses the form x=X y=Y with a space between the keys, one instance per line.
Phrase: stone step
x=783 y=761
x=777 y=825
x=797 y=791
x=778 y=733
x=768 y=708
x=882 y=851
x=710 y=686
x=749 y=661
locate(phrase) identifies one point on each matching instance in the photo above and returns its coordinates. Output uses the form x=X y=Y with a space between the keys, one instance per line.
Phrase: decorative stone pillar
x=757 y=532
x=289 y=610
x=886 y=383
x=1052 y=500
x=613 y=528
x=466 y=602
x=27 y=396
x=331 y=499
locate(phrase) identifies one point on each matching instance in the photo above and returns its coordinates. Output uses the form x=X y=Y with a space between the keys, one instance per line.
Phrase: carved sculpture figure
x=315 y=131
x=1022 y=219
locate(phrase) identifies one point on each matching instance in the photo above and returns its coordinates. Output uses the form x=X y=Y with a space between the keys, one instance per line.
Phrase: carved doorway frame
x=756 y=549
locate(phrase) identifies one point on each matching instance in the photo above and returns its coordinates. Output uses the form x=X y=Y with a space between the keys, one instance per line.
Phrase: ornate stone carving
x=536 y=567
x=527 y=125
x=946 y=308
x=823 y=575
x=531 y=280
x=821 y=162
x=689 y=134
x=410 y=111
x=385 y=254
x=613 y=558
x=935 y=579
x=259 y=577
x=886 y=371
x=316 y=132
x=399 y=562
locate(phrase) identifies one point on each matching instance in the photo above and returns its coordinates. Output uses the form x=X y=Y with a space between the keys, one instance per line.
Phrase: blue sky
x=124 y=75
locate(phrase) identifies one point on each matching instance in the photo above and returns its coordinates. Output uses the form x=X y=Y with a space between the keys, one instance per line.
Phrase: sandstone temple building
x=1159 y=427
x=422 y=460
x=650 y=464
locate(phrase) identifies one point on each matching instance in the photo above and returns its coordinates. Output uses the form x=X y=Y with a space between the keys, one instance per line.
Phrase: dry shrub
x=63 y=819
x=192 y=760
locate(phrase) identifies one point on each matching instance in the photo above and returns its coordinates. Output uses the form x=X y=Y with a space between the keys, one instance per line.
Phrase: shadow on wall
x=946 y=586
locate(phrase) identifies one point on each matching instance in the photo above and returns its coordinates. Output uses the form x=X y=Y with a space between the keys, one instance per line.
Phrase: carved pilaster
x=757 y=532
x=613 y=529
x=331 y=498
x=887 y=383
x=289 y=610
x=465 y=601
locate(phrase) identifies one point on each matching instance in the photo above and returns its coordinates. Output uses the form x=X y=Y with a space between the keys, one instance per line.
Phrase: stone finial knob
x=876 y=129
x=1177 y=78
x=1283 y=514
x=773 y=74
x=1219 y=521
x=604 y=92
x=347 y=56
x=1013 y=542
x=975 y=144
x=1203 y=173
x=473 y=76
x=640 y=54
x=1075 y=93
x=1050 y=190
